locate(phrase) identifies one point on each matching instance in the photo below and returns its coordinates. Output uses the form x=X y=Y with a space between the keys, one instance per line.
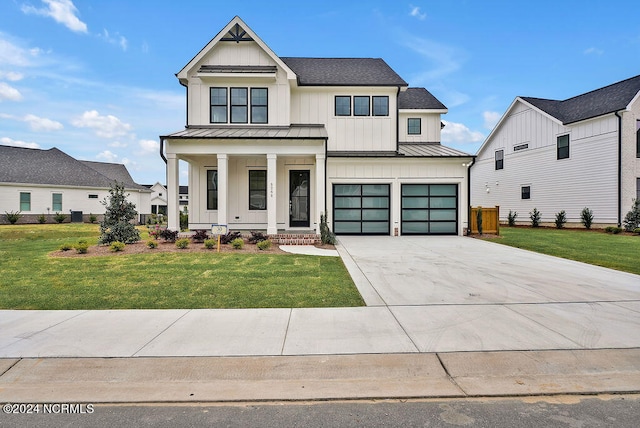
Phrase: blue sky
x=97 y=78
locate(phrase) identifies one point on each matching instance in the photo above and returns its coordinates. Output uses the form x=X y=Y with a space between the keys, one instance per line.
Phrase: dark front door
x=299 y=198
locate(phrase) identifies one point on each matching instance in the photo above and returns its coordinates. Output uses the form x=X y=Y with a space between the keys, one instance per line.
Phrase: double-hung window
x=212 y=189
x=343 y=105
x=499 y=159
x=563 y=146
x=414 y=126
x=56 y=202
x=259 y=104
x=381 y=106
x=218 y=105
x=361 y=106
x=525 y=192
x=239 y=105
x=25 y=201
x=257 y=190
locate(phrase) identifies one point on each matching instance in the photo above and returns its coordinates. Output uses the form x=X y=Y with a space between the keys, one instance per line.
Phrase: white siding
x=429 y=123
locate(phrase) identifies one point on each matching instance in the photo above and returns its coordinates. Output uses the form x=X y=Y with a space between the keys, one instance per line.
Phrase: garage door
x=361 y=209
x=429 y=209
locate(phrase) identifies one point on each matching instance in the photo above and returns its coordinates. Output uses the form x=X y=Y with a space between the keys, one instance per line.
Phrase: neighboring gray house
x=35 y=182
x=564 y=155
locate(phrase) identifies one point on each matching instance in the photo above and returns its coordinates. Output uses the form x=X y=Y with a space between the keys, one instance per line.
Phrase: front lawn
x=620 y=252
x=31 y=279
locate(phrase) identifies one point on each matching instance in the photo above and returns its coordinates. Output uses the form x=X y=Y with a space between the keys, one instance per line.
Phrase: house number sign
x=217 y=230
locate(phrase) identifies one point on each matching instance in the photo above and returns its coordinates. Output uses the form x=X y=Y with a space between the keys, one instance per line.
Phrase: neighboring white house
x=272 y=142
x=564 y=155
x=159 y=198
x=37 y=182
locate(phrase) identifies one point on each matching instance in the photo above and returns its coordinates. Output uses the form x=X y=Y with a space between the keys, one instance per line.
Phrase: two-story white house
x=564 y=155
x=272 y=142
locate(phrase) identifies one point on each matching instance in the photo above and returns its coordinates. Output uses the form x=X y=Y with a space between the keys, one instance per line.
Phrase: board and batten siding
x=429 y=127
x=588 y=178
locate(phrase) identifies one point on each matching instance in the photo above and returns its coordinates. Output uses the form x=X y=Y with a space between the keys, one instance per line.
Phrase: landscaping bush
x=12 y=217
x=511 y=218
x=226 y=239
x=66 y=246
x=561 y=219
x=92 y=218
x=116 y=225
x=326 y=235
x=116 y=246
x=184 y=221
x=586 y=217
x=168 y=235
x=152 y=244
x=182 y=243
x=535 y=217
x=59 y=217
x=632 y=219
x=613 y=229
x=81 y=247
x=237 y=243
x=264 y=245
x=479 y=220
x=42 y=219
x=210 y=244
x=636 y=230
x=257 y=237
x=200 y=235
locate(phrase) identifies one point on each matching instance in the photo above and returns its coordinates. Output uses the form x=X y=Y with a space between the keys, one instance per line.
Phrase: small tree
x=326 y=235
x=479 y=220
x=561 y=219
x=586 y=217
x=116 y=225
x=535 y=217
x=632 y=219
x=511 y=218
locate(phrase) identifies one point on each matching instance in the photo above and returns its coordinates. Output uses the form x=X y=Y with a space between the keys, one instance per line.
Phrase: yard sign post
x=218 y=229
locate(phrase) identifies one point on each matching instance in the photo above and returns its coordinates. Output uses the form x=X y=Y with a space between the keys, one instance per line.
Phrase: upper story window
x=381 y=106
x=233 y=105
x=343 y=105
x=499 y=159
x=563 y=146
x=25 y=201
x=93 y=196
x=414 y=126
x=361 y=106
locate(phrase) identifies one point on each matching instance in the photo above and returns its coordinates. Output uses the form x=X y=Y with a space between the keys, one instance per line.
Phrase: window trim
x=562 y=155
x=225 y=105
x=527 y=193
x=499 y=162
x=374 y=111
x=212 y=191
x=53 y=202
x=335 y=105
x=417 y=120
x=265 y=105
x=262 y=191
x=28 y=201
x=361 y=97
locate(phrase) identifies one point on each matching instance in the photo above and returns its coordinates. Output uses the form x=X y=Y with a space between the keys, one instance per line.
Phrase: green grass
x=31 y=279
x=620 y=252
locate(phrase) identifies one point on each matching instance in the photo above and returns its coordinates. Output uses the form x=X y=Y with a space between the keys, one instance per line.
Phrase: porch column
x=272 y=226
x=223 y=184
x=320 y=189
x=173 y=190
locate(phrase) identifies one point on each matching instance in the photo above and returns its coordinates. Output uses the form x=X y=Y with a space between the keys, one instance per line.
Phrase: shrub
x=42 y=219
x=561 y=219
x=535 y=217
x=230 y=236
x=479 y=220
x=66 y=246
x=613 y=229
x=210 y=244
x=199 y=235
x=237 y=243
x=152 y=244
x=116 y=246
x=168 y=235
x=326 y=235
x=92 y=218
x=182 y=243
x=12 y=217
x=257 y=237
x=264 y=245
x=636 y=230
x=586 y=217
x=81 y=247
x=632 y=219
x=116 y=224
x=511 y=218
x=59 y=217
x=184 y=221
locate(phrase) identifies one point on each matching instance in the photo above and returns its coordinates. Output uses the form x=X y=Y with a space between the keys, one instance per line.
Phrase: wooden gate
x=490 y=220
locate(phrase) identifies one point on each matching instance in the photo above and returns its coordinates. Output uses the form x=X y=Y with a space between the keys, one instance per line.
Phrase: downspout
x=162 y=150
x=619 y=169
x=398 y=120
x=473 y=161
x=326 y=181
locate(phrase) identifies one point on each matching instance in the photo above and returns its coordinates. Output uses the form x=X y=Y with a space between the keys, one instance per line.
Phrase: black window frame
x=92 y=196
x=356 y=105
x=563 y=152
x=638 y=138
x=218 y=105
x=212 y=189
x=411 y=126
x=255 y=106
x=499 y=159
x=525 y=192
x=237 y=106
x=374 y=106
x=335 y=105
x=262 y=190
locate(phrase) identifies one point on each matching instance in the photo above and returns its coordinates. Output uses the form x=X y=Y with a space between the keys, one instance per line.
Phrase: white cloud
x=62 y=11
x=117 y=145
x=104 y=126
x=416 y=13
x=17 y=143
x=116 y=39
x=443 y=59
x=42 y=124
x=593 y=51
x=11 y=76
x=459 y=133
x=491 y=119
x=9 y=92
x=149 y=146
x=11 y=54
x=107 y=156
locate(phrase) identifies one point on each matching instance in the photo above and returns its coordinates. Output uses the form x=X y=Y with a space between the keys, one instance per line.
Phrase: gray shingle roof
x=419 y=98
x=343 y=72
x=596 y=103
x=115 y=172
x=52 y=166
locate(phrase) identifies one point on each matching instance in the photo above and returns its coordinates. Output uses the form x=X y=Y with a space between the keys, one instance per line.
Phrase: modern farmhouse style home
x=272 y=142
x=564 y=155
